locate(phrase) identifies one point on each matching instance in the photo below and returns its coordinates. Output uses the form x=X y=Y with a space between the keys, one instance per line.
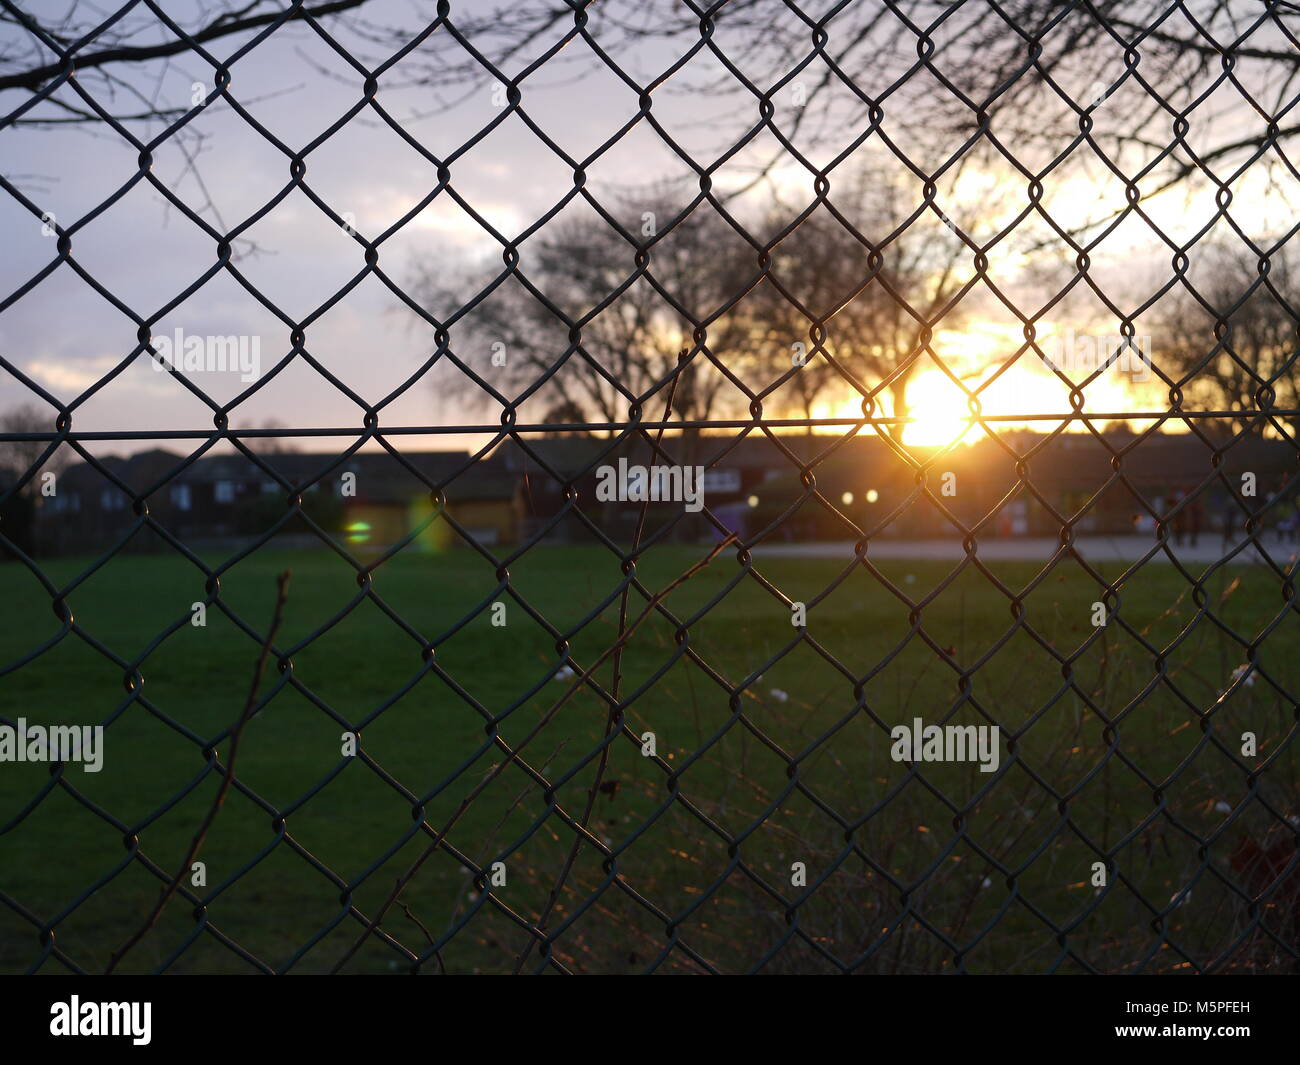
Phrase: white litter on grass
x=1176 y=902
x=564 y=673
x=1222 y=807
x=986 y=882
x=778 y=695
x=1243 y=669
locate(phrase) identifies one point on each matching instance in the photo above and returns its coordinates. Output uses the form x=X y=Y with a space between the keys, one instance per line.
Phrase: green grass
x=782 y=776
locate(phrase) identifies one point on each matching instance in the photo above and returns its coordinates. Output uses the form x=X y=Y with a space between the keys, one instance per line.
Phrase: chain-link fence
x=828 y=503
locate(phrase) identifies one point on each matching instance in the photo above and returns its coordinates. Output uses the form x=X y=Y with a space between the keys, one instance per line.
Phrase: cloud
x=70 y=375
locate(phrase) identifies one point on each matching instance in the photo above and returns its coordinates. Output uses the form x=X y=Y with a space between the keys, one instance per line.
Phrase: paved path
x=1038 y=549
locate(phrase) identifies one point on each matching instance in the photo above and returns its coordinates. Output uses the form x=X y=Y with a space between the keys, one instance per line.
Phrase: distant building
x=790 y=487
x=371 y=499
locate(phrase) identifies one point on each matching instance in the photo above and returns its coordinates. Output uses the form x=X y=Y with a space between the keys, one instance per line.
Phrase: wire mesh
x=647 y=799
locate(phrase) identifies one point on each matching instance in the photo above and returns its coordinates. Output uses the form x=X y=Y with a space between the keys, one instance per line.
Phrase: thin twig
x=601 y=765
x=282 y=594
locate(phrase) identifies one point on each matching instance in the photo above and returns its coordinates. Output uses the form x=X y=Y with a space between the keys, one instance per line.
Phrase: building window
x=721 y=481
x=181 y=497
x=224 y=491
x=111 y=499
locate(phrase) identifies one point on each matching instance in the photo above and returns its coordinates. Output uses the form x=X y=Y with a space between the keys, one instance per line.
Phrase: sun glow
x=940 y=409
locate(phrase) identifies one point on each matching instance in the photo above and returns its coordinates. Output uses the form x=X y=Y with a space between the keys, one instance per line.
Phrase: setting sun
x=940 y=410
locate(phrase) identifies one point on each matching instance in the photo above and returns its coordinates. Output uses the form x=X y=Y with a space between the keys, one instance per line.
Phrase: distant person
x=1287 y=524
x=1229 y=522
x=1195 y=515
x=1176 y=517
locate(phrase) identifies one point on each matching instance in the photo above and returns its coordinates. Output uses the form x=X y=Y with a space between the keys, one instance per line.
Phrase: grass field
x=760 y=764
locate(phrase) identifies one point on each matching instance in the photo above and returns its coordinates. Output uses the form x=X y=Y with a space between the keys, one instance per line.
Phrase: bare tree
x=1230 y=337
x=26 y=459
x=824 y=303
x=582 y=327
x=1029 y=77
x=108 y=56
x=122 y=81
x=867 y=282
x=1025 y=86
x=22 y=462
x=1021 y=72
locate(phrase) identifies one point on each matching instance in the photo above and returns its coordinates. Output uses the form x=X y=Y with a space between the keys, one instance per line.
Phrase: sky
x=144 y=252
x=66 y=336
